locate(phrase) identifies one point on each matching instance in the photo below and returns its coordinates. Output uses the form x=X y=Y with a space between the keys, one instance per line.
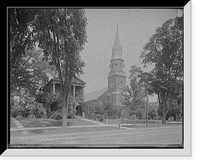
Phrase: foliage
x=36 y=70
x=22 y=109
x=16 y=110
x=134 y=93
x=174 y=110
x=57 y=115
x=48 y=99
x=165 y=51
x=61 y=34
x=139 y=114
x=36 y=109
x=108 y=110
x=21 y=39
x=99 y=110
x=152 y=114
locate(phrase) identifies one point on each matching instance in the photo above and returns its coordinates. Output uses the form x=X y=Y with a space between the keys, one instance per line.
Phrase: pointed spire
x=117 y=48
x=117 y=42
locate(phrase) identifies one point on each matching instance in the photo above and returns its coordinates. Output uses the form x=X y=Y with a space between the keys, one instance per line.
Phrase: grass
x=79 y=130
x=12 y=124
x=131 y=121
x=31 y=122
x=63 y=130
x=40 y=122
x=150 y=125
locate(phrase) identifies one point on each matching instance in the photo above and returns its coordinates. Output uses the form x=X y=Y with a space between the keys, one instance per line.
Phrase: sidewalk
x=17 y=123
x=96 y=122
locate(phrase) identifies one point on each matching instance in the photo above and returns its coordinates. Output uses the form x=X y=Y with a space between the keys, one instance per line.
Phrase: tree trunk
x=175 y=117
x=164 y=109
x=164 y=117
x=65 y=108
x=64 y=113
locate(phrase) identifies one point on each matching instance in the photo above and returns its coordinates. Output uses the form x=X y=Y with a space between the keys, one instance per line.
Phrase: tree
x=135 y=92
x=27 y=67
x=152 y=114
x=108 y=110
x=28 y=84
x=61 y=34
x=21 y=39
x=165 y=51
x=36 y=70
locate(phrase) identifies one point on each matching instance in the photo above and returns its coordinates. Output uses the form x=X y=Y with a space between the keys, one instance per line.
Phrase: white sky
x=135 y=27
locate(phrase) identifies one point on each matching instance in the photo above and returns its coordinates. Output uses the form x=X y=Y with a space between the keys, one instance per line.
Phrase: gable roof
x=96 y=94
x=76 y=80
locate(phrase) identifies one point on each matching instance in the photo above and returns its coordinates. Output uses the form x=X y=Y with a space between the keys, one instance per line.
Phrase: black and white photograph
x=97 y=78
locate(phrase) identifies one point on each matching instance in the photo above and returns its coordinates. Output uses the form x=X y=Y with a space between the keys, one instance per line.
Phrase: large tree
x=21 y=39
x=134 y=94
x=62 y=34
x=165 y=51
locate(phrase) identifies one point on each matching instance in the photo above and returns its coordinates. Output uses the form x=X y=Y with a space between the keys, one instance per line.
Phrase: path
x=92 y=121
x=17 y=123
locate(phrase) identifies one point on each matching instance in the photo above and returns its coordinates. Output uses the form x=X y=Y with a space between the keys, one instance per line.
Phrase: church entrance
x=79 y=110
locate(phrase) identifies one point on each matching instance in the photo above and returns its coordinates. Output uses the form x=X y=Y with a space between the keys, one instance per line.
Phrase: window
x=112 y=85
x=120 y=84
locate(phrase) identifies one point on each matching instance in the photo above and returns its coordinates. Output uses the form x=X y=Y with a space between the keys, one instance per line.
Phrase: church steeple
x=116 y=75
x=117 y=48
x=117 y=66
x=117 y=41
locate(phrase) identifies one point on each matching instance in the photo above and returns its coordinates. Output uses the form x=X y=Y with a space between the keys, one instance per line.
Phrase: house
x=76 y=94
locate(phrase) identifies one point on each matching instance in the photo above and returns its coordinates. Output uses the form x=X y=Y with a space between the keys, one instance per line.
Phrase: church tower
x=117 y=75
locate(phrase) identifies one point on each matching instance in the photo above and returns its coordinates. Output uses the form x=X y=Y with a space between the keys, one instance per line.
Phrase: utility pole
x=147 y=110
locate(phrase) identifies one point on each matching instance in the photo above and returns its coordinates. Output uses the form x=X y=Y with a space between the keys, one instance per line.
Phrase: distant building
x=116 y=79
x=153 y=104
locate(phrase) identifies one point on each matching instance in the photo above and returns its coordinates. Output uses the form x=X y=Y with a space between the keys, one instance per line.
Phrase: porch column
x=54 y=89
x=73 y=91
x=82 y=92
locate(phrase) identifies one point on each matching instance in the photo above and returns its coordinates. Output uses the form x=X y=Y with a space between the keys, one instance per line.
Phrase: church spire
x=117 y=42
x=117 y=48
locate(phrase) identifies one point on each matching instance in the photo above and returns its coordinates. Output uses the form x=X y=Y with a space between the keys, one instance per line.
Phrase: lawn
x=40 y=122
x=12 y=124
x=131 y=121
x=79 y=130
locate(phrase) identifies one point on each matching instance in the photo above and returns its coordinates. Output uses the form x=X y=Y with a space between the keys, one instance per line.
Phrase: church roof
x=95 y=95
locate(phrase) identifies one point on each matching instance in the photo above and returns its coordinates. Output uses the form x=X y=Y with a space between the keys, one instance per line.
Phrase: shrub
x=56 y=115
x=16 y=110
x=35 y=109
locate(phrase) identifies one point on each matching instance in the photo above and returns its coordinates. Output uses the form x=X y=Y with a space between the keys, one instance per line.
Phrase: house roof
x=95 y=95
x=76 y=80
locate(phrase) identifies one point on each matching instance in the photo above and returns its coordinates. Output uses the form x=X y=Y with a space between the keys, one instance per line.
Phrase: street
x=155 y=136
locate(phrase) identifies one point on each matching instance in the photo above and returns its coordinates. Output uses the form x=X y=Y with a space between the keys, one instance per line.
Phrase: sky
x=135 y=27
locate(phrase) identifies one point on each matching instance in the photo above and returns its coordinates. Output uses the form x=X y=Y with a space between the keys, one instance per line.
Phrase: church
x=112 y=93
x=116 y=80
